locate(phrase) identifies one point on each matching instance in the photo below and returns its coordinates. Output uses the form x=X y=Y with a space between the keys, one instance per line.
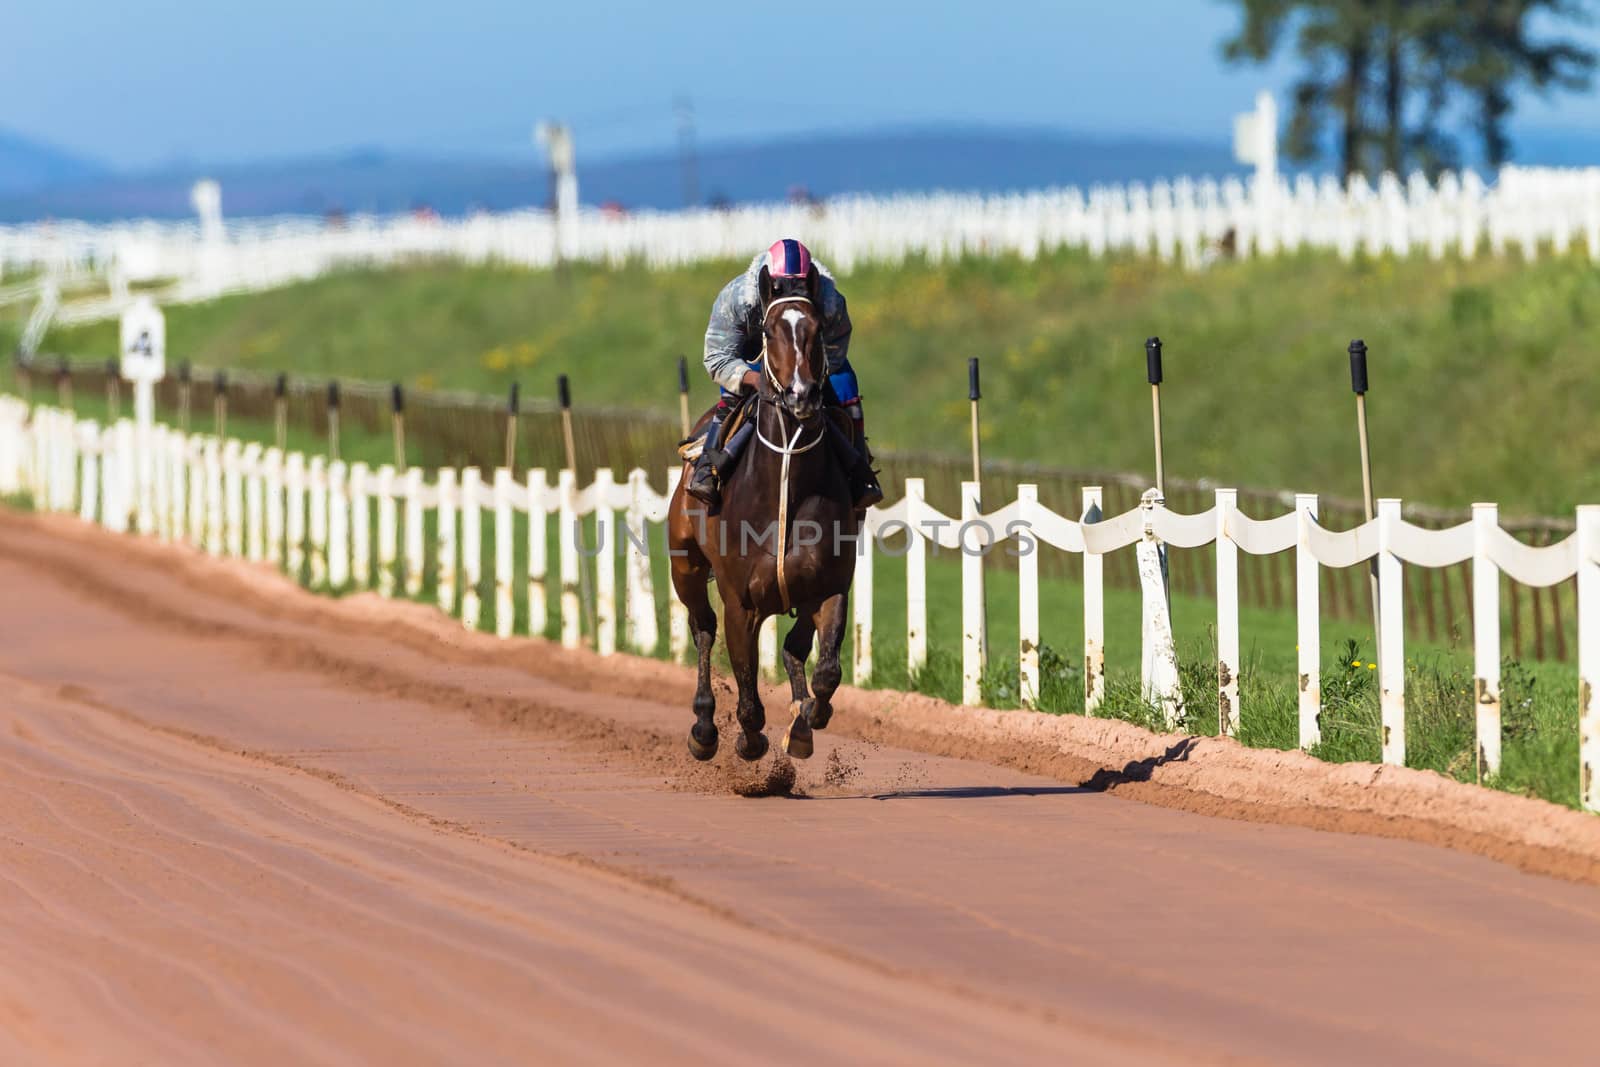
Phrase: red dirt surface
x=244 y=824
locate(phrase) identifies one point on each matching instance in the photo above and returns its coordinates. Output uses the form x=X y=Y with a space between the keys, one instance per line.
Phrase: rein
x=787 y=451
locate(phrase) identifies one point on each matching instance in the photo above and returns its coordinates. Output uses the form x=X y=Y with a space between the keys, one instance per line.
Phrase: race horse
x=783 y=542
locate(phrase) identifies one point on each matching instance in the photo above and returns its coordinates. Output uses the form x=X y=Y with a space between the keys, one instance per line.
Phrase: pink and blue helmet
x=788 y=258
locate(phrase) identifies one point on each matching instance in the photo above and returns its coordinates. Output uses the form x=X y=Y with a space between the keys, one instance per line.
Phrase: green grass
x=1481 y=370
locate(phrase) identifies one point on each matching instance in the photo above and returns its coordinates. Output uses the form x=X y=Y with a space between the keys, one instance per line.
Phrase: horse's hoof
x=751 y=747
x=699 y=750
x=797 y=739
x=818 y=715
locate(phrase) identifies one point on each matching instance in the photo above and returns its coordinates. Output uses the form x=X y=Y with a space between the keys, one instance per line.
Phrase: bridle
x=786 y=451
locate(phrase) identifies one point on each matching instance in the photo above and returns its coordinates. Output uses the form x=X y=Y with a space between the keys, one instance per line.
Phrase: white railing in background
x=1187 y=220
x=240 y=500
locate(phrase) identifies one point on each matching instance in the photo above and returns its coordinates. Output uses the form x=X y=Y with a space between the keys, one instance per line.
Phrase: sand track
x=242 y=824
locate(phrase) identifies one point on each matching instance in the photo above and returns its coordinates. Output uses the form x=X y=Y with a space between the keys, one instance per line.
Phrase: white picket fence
x=1526 y=209
x=316 y=518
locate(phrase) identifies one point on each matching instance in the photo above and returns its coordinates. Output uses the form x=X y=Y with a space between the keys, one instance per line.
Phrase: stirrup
x=867 y=491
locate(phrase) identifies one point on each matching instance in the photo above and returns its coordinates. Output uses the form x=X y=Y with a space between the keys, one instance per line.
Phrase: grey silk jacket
x=733 y=336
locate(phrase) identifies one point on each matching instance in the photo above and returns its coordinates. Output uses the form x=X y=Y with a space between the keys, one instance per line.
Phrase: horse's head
x=793 y=363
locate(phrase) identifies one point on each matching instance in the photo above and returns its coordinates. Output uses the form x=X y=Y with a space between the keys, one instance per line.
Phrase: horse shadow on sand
x=1101 y=781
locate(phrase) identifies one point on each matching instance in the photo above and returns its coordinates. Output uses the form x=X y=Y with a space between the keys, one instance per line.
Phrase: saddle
x=689 y=448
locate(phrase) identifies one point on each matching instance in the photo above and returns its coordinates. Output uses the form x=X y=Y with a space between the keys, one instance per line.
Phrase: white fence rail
x=316 y=519
x=1525 y=209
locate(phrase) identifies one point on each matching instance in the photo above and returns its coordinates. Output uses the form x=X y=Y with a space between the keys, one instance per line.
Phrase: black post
x=333 y=421
x=513 y=409
x=219 y=404
x=683 y=394
x=64 y=383
x=397 y=418
x=974 y=394
x=1152 y=371
x=280 y=411
x=184 y=375
x=564 y=393
x=1358 y=385
x=113 y=389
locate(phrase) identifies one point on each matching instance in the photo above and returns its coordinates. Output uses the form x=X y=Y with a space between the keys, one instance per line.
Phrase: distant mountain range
x=39 y=181
x=958 y=158
x=27 y=165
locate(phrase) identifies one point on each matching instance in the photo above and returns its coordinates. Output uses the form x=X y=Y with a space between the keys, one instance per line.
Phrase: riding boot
x=857 y=464
x=864 y=485
x=704 y=483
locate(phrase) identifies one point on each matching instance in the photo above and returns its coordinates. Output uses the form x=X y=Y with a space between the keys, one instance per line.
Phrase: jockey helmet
x=788 y=258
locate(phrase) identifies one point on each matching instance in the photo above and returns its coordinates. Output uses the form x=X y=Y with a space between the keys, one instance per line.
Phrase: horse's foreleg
x=796 y=650
x=742 y=626
x=830 y=620
x=691 y=589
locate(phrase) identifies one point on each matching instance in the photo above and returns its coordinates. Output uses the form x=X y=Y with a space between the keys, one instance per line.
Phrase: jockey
x=733 y=349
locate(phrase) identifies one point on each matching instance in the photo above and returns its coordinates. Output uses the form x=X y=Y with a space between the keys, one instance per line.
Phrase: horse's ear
x=814 y=286
x=764 y=286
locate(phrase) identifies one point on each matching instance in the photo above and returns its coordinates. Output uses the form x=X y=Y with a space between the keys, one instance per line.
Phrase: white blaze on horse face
x=794 y=317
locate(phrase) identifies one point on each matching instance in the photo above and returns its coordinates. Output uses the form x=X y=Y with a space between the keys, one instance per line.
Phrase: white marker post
x=144 y=363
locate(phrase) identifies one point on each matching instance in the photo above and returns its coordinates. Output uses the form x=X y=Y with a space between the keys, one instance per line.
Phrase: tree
x=1334 y=40
x=1493 y=53
x=1391 y=72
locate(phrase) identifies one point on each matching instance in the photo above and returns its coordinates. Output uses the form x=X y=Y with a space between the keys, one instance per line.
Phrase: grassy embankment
x=1475 y=367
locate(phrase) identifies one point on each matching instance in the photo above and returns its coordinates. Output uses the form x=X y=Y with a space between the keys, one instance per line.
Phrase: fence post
x=916 y=582
x=360 y=527
x=127 y=487
x=1588 y=654
x=1486 y=639
x=176 y=461
x=605 y=563
x=471 y=547
x=504 y=536
x=294 y=491
x=1028 y=600
x=1391 y=634
x=195 y=475
x=317 y=495
x=232 y=498
x=1160 y=682
x=446 y=534
x=767 y=646
x=974 y=638
x=88 y=495
x=254 y=504
x=1308 y=621
x=338 y=525
x=160 y=480
x=643 y=634
x=677 y=614
x=1227 y=618
x=567 y=552
x=538 y=551
x=214 y=501
x=416 y=554
x=1094 y=612
x=274 y=490
x=861 y=607
x=387 y=531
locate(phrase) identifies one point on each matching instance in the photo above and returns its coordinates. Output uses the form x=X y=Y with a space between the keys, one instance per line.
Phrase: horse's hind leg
x=796 y=650
x=742 y=627
x=691 y=588
x=830 y=619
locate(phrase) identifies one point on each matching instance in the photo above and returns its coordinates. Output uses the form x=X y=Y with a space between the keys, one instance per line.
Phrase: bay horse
x=784 y=540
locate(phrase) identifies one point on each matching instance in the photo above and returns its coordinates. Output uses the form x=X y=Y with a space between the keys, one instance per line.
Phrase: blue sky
x=141 y=84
